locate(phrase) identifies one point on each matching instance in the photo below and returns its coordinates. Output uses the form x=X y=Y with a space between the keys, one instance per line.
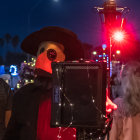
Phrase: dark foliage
x=1 y=61
x=15 y=41
x=15 y=58
x=1 y=42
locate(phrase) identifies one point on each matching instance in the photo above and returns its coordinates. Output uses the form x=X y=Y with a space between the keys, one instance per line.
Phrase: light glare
x=118 y=36
x=118 y=52
x=94 y=52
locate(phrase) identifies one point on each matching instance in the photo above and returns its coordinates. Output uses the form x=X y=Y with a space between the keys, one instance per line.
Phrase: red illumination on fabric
x=44 y=131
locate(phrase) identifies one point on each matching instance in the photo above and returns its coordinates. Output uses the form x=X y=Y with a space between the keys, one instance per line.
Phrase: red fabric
x=44 y=132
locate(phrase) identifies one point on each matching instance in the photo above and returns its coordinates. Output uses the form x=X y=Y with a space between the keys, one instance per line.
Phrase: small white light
x=93 y=100
x=102 y=116
x=56 y=123
x=71 y=104
x=74 y=136
x=59 y=104
x=58 y=136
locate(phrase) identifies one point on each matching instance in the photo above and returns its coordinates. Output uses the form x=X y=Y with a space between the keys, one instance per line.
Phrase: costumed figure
x=31 y=112
x=5 y=105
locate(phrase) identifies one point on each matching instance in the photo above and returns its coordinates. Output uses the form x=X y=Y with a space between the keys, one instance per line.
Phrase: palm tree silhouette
x=7 y=38
x=1 y=42
x=15 y=41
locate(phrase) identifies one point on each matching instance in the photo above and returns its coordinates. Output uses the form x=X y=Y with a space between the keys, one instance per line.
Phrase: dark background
x=19 y=18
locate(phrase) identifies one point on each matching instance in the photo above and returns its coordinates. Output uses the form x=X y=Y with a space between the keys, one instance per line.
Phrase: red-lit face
x=49 y=52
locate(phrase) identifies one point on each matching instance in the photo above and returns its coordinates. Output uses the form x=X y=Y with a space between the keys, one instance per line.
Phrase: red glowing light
x=118 y=36
x=118 y=52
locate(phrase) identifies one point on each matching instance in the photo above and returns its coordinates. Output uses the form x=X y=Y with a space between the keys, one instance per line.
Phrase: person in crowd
x=126 y=119
x=31 y=112
x=5 y=106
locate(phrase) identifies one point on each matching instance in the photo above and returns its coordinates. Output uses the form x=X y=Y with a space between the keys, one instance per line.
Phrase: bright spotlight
x=118 y=36
x=118 y=52
x=94 y=52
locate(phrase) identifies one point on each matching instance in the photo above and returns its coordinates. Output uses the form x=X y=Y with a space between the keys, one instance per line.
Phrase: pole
x=110 y=18
x=109 y=76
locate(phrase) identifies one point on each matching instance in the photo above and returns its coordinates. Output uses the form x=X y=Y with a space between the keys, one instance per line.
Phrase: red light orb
x=118 y=36
x=118 y=52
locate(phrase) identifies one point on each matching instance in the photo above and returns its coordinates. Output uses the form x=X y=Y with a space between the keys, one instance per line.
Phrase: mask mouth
x=51 y=54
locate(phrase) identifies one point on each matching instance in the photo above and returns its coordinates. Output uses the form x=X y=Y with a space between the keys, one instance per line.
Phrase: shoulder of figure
x=26 y=89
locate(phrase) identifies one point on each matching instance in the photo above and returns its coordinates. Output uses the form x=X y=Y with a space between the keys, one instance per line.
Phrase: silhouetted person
x=5 y=106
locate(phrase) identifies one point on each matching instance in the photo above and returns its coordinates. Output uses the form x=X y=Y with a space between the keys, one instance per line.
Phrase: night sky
x=26 y=16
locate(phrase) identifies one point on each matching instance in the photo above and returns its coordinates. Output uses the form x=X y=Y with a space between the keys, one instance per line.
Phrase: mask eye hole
x=51 y=54
x=41 y=50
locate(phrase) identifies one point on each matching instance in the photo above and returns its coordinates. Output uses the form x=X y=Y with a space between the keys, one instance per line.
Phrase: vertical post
x=110 y=11
x=110 y=18
x=110 y=54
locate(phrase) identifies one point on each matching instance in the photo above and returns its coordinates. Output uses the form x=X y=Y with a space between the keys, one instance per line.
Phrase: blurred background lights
x=13 y=70
x=118 y=52
x=94 y=52
x=104 y=46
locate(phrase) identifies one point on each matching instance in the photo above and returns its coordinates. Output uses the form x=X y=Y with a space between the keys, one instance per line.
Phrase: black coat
x=23 y=122
x=5 y=104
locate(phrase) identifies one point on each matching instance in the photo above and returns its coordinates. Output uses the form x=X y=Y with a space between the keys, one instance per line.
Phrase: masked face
x=49 y=52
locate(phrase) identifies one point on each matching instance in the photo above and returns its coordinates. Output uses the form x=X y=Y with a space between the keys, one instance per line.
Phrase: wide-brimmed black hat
x=72 y=46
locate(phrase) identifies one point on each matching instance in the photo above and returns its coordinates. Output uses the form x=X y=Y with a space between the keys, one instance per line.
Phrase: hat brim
x=72 y=46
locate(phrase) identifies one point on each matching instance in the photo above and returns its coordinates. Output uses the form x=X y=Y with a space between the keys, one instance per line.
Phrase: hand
x=110 y=105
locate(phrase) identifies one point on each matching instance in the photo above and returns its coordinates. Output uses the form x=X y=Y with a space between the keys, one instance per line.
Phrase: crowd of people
x=29 y=110
x=126 y=118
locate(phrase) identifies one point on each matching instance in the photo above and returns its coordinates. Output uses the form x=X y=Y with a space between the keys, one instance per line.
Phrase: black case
x=79 y=94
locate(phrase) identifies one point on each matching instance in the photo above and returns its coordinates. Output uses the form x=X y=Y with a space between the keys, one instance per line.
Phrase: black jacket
x=23 y=122
x=5 y=104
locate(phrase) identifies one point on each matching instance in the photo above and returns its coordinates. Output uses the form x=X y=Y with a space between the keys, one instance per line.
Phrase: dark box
x=79 y=94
